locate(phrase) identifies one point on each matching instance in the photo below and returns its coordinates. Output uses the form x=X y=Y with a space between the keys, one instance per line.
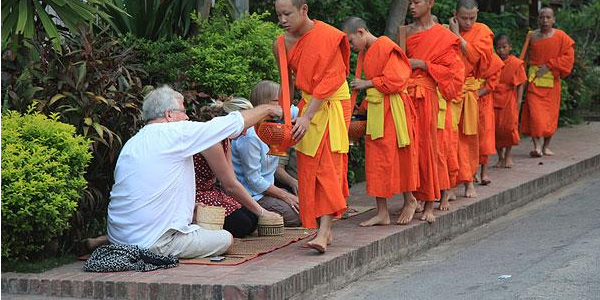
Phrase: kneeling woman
x=257 y=171
x=241 y=210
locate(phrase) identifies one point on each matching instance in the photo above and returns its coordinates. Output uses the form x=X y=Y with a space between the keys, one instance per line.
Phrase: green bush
x=43 y=163
x=229 y=58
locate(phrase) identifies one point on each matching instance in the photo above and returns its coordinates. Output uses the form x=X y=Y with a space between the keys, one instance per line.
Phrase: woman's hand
x=292 y=201
x=268 y=214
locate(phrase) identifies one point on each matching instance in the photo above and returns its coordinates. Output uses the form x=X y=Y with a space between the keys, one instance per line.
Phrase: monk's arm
x=395 y=75
x=520 y=90
x=564 y=63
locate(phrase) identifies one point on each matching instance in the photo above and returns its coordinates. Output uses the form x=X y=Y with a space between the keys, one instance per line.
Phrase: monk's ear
x=304 y=8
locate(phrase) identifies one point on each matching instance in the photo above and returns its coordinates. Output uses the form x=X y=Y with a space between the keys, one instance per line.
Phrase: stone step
x=294 y=272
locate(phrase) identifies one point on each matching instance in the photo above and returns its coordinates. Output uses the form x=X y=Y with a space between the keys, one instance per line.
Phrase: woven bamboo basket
x=270 y=226
x=210 y=217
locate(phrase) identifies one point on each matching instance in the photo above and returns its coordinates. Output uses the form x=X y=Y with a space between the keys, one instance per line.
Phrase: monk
x=432 y=50
x=390 y=150
x=507 y=98
x=318 y=58
x=486 y=122
x=551 y=56
x=476 y=44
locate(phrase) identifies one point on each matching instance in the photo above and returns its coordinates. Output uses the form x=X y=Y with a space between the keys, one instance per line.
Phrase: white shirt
x=155 y=188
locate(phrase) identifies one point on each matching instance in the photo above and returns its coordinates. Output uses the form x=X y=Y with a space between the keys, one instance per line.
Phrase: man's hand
x=360 y=84
x=275 y=111
x=294 y=186
x=453 y=25
x=417 y=64
x=542 y=70
x=300 y=127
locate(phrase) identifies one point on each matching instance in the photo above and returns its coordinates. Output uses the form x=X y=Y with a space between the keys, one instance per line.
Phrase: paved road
x=550 y=248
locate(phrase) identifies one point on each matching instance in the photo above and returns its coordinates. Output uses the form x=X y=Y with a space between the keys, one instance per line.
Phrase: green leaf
x=55 y=98
x=81 y=73
x=49 y=26
x=99 y=130
x=23 y=13
x=87 y=121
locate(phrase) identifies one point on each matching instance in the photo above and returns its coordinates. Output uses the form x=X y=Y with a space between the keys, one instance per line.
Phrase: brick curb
x=324 y=277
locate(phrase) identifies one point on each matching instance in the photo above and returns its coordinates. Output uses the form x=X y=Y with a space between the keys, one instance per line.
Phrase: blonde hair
x=237 y=103
x=264 y=92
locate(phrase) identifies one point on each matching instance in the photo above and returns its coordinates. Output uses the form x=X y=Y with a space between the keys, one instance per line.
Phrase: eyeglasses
x=183 y=110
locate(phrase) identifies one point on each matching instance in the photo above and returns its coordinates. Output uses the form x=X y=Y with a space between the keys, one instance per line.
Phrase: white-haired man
x=153 y=198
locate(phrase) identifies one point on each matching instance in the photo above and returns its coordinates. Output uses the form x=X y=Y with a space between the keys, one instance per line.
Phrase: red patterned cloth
x=206 y=191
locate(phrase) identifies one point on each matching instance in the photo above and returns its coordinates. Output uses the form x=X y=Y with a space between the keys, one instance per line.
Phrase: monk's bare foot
x=319 y=243
x=470 y=190
x=485 y=180
x=428 y=213
x=445 y=203
x=408 y=211
x=378 y=219
x=535 y=153
x=476 y=178
x=547 y=152
x=451 y=195
x=419 y=208
x=508 y=163
x=499 y=164
x=329 y=240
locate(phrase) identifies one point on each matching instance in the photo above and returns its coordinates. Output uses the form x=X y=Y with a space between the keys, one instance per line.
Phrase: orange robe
x=320 y=64
x=451 y=133
x=486 y=133
x=477 y=57
x=390 y=169
x=540 y=109
x=437 y=47
x=506 y=109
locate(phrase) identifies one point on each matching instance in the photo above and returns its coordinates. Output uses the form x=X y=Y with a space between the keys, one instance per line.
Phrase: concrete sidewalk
x=297 y=273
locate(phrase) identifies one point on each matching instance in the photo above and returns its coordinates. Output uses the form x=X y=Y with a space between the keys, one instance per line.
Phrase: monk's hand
x=300 y=127
x=417 y=64
x=453 y=25
x=360 y=84
x=482 y=92
x=542 y=70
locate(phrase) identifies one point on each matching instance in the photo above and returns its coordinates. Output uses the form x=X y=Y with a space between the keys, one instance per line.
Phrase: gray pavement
x=550 y=248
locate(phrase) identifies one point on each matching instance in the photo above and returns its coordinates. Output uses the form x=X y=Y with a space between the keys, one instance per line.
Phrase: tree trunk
x=241 y=6
x=533 y=13
x=396 y=18
x=203 y=6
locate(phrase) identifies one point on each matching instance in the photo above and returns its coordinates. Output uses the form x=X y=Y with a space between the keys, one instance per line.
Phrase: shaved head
x=353 y=24
x=547 y=9
x=297 y=3
x=466 y=4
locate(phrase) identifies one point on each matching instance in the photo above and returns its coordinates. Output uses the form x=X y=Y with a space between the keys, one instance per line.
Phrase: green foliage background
x=43 y=162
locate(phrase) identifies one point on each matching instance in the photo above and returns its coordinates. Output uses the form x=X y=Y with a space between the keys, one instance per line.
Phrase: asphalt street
x=547 y=249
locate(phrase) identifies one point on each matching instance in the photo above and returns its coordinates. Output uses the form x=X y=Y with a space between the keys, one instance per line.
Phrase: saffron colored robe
x=390 y=169
x=477 y=57
x=486 y=125
x=320 y=63
x=437 y=47
x=542 y=104
x=506 y=108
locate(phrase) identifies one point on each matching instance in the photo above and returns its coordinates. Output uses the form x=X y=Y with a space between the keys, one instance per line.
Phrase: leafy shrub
x=43 y=163
x=93 y=86
x=229 y=58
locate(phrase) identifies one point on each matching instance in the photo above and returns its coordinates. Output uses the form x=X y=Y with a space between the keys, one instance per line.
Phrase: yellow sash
x=470 y=108
x=331 y=112
x=376 y=116
x=441 y=123
x=546 y=81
